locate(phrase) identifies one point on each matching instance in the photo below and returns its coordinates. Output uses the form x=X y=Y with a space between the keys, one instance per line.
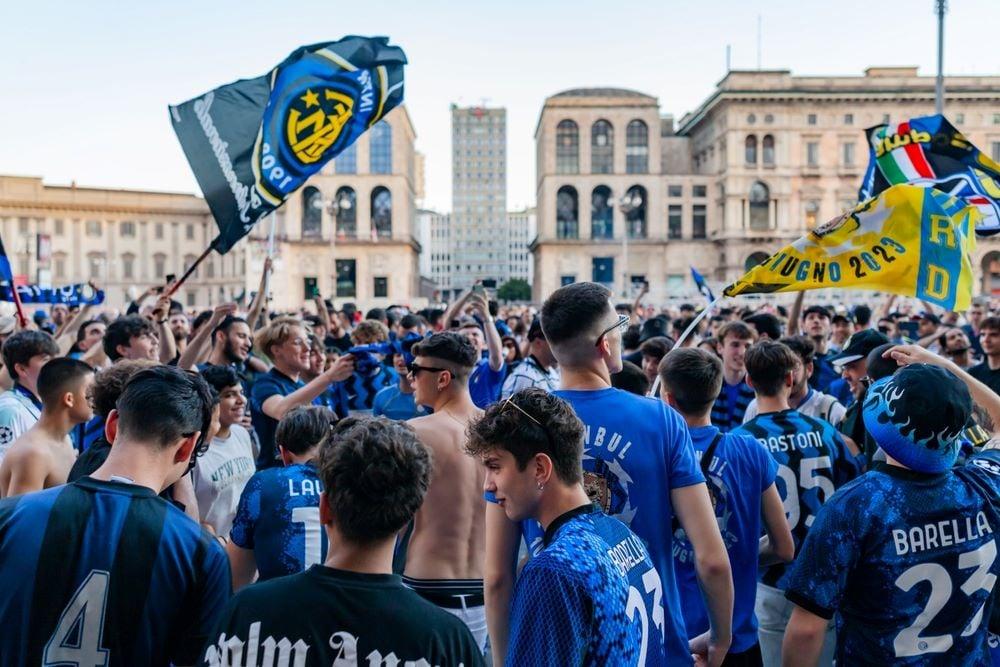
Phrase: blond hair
x=275 y=333
x=368 y=332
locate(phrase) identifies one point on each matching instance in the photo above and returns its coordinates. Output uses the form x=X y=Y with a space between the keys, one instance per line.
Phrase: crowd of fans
x=574 y=482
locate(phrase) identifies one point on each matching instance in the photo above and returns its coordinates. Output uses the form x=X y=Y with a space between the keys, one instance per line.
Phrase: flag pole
x=270 y=255
x=22 y=319
x=190 y=270
x=654 y=390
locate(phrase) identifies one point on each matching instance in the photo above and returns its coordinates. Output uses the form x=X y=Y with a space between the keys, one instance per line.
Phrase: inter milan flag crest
x=252 y=143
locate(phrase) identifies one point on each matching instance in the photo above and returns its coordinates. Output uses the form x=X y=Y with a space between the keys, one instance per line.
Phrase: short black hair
x=409 y=321
x=631 y=337
x=553 y=429
x=657 y=347
x=768 y=363
x=693 y=377
x=59 y=376
x=220 y=377
x=81 y=333
x=862 y=315
x=803 y=346
x=122 y=331
x=374 y=314
x=572 y=310
x=879 y=366
x=992 y=323
x=447 y=346
x=631 y=379
x=226 y=324
x=23 y=345
x=304 y=427
x=163 y=404
x=375 y=474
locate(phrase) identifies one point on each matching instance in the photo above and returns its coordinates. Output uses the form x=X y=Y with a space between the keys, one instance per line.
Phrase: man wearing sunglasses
x=638 y=466
x=444 y=557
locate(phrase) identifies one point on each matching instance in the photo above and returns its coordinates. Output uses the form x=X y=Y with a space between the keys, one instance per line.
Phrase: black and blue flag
x=78 y=294
x=703 y=287
x=253 y=142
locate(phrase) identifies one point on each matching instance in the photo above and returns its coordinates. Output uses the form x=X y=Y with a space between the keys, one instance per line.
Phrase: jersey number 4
x=76 y=641
x=910 y=642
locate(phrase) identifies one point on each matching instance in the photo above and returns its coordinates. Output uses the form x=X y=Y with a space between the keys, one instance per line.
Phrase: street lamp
x=632 y=201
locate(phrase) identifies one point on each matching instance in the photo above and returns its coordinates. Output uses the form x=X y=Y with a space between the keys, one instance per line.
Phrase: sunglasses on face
x=621 y=325
x=413 y=368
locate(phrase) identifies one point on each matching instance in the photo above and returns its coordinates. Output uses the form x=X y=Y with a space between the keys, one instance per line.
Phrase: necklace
x=453 y=417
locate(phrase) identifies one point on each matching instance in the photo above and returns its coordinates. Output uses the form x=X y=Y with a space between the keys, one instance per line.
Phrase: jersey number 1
x=78 y=634
x=312 y=530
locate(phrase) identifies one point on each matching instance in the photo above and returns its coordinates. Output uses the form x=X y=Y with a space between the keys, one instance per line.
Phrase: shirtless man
x=43 y=456
x=444 y=559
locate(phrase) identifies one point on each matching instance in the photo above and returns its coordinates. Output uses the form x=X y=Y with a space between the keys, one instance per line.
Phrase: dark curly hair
x=109 y=383
x=375 y=473
x=304 y=427
x=531 y=422
x=451 y=347
x=122 y=331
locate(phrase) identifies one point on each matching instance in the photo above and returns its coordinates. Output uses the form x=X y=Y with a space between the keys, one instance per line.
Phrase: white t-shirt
x=17 y=415
x=817 y=405
x=220 y=475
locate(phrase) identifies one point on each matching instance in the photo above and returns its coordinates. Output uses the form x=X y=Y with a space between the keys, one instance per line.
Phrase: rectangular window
x=812 y=153
x=698 y=221
x=127 y=229
x=603 y=270
x=995 y=151
x=158 y=230
x=959 y=118
x=190 y=297
x=189 y=232
x=996 y=119
x=675 y=283
x=699 y=191
x=59 y=227
x=347 y=277
x=381 y=286
x=674 y=221
x=675 y=190
x=848 y=119
x=95 y=267
x=93 y=228
x=22 y=225
x=309 y=288
x=847 y=154
x=128 y=267
x=811 y=119
x=159 y=266
x=347 y=161
x=60 y=267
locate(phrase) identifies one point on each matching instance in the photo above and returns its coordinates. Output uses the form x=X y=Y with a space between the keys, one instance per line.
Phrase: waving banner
x=80 y=294
x=931 y=152
x=909 y=240
x=252 y=143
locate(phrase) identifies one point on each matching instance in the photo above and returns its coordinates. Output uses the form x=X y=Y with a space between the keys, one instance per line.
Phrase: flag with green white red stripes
x=929 y=151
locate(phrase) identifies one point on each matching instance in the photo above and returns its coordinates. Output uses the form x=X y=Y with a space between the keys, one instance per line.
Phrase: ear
x=790 y=378
x=122 y=350
x=286 y=457
x=543 y=468
x=184 y=452
x=111 y=426
x=667 y=397
x=325 y=513
x=444 y=381
x=746 y=378
x=69 y=399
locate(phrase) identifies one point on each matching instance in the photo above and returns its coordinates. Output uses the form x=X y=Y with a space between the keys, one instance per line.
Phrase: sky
x=84 y=86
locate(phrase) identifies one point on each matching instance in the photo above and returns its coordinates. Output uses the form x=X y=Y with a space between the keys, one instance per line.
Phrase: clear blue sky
x=84 y=86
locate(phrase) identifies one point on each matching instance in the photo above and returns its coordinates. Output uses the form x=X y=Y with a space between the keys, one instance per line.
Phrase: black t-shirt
x=990 y=378
x=325 y=616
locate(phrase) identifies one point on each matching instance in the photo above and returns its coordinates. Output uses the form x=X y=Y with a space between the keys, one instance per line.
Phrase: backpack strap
x=706 y=458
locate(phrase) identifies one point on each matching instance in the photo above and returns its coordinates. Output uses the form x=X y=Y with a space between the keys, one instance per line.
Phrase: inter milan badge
x=315 y=120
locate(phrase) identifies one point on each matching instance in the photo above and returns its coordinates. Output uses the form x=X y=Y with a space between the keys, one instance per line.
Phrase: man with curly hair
x=375 y=474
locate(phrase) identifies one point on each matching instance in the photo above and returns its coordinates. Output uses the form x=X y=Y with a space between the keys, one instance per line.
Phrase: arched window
x=210 y=267
x=567 y=213
x=751 y=149
x=382 y=212
x=567 y=147
x=188 y=261
x=312 y=212
x=634 y=208
x=159 y=265
x=346 y=206
x=601 y=225
x=128 y=266
x=602 y=148
x=347 y=161
x=767 y=146
x=760 y=200
x=636 y=148
x=380 y=148
x=755 y=259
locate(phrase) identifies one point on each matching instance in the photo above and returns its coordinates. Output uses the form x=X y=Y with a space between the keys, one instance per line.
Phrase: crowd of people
x=579 y=481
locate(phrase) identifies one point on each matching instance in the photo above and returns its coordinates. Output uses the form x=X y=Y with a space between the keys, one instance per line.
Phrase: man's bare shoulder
x=428 y=423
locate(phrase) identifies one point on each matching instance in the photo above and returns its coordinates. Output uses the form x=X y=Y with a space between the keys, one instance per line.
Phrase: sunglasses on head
x=621 y=325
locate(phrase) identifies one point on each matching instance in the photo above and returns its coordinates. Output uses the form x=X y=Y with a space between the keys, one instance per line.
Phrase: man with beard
x=988 y=372
x=180 y=326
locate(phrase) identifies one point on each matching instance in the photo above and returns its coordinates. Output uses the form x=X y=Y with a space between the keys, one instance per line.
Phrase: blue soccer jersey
x=357 y=393
x=813 y=461
x=105 y=573
x=907 y=561
x=278 y=518
x=738 y=474
x=485 y=383
x=591 y=596
x=636 y=450
x=271 y=383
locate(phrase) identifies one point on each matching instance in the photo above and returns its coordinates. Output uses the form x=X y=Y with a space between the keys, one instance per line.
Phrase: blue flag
x=254 y=142
x=703 y=287
x=79 y=294
x=930 y=152
x=7 y=277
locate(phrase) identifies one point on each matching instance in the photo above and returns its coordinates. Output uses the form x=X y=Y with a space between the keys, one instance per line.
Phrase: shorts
x=462 y=598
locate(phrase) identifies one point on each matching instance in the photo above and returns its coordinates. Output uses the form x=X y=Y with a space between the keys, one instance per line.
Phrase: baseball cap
x=653 y=327
x=819 y=310
x=917 y=416
x=930 y=317
x=535 y=330
x=859 y=345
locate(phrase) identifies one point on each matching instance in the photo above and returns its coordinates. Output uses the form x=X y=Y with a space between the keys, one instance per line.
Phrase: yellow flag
x=909 y=240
